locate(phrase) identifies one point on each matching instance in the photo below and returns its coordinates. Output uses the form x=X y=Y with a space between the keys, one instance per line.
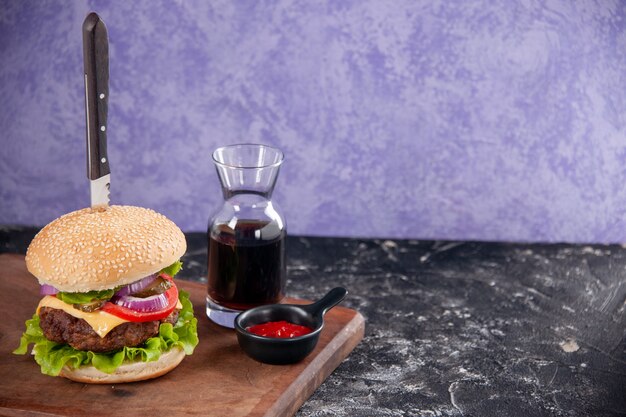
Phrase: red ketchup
x=282 y=329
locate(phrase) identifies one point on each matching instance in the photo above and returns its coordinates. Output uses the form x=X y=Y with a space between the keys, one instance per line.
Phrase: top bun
x=98 y=249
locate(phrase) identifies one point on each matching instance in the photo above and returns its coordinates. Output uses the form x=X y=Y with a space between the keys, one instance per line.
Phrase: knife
x=96 y=63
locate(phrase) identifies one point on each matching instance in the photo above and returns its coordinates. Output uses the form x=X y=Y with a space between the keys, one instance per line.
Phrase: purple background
x=473 y=119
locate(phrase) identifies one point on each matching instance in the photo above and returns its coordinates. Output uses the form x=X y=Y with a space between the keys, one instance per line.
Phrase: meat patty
x=60 y=327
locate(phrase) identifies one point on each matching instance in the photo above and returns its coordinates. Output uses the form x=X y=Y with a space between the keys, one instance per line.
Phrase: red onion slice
x=153 y=303
x=47 y=290
x=136 y=286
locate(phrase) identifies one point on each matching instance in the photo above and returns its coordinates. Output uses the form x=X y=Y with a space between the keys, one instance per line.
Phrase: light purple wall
x=469 y=119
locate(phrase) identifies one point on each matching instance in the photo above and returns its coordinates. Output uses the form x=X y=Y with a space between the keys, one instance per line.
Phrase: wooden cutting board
x=217 y=380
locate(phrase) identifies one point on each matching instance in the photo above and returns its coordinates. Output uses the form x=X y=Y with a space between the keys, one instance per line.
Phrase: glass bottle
x=246 y=262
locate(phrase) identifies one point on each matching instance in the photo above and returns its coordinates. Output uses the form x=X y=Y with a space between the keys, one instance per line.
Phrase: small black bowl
x=282 y=351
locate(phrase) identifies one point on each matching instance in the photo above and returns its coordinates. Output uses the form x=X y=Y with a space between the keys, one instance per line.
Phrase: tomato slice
x=140 y=317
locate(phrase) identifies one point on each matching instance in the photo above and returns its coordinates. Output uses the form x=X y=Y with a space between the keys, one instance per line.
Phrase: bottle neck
x=235 y=181
x=249 y=195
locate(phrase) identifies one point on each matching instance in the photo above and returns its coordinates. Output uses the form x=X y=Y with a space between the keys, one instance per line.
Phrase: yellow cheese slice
x=101 y=322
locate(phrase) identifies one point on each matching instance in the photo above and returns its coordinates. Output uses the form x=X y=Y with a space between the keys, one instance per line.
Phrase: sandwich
x=111 y=311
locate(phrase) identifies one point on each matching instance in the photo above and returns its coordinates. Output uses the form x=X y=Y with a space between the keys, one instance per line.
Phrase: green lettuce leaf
x=85 y=297
x=173 y=269
x=52 y=356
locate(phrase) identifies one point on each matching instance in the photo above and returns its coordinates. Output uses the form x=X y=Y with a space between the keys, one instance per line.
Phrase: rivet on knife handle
x=96 y=63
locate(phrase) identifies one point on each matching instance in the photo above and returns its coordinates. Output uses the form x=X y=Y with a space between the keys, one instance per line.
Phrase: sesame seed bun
x=98 y=249
x=127 y=372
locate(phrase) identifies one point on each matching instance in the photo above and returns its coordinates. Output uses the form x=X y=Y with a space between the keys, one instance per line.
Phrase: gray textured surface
x=439 y=119
x=473 y=329
x=462 y=329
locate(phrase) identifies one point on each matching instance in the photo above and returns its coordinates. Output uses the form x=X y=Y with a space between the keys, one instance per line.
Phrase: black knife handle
x=96 y=61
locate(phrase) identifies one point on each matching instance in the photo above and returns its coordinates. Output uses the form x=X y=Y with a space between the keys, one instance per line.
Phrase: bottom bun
x=127 y=372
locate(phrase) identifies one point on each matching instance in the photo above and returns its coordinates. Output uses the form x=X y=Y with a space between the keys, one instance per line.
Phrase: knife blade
x=96 y=66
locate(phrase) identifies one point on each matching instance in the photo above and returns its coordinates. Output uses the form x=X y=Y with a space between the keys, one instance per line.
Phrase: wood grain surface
x=217 y=380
